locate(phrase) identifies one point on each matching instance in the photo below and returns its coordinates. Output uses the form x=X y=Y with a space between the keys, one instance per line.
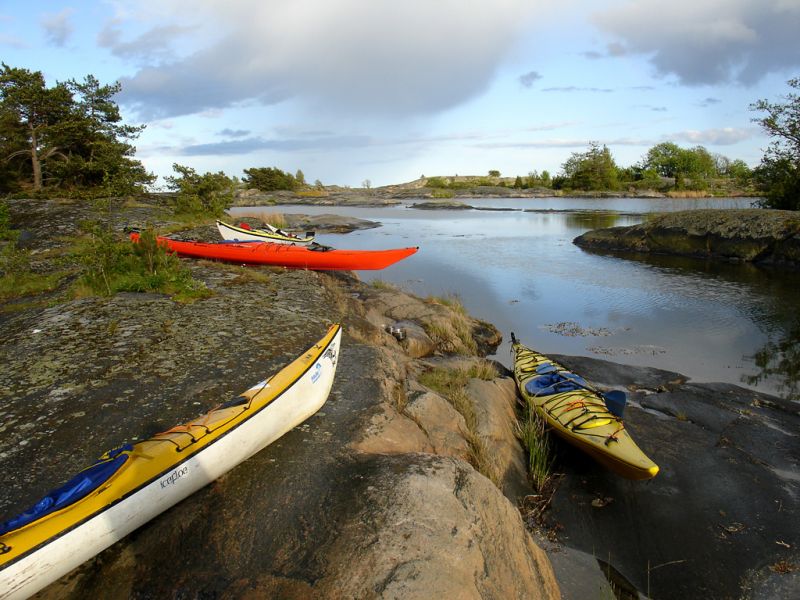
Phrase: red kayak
x=284 y=255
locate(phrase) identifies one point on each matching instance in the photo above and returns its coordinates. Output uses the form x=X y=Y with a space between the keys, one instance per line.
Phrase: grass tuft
x=380 y=284
x=17 y=279
x=532 y=432
x=452 y=333
x=273 y=218
x=451 y=384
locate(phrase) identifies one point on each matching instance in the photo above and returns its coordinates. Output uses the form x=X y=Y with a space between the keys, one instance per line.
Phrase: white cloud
x=57 y=26
x=350 y=56
x=725 y=136
x=712 y=41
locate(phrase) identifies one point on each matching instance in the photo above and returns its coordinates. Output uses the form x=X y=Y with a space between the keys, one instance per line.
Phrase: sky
x=388 y=91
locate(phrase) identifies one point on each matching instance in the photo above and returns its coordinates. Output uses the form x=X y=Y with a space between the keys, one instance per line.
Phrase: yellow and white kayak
x=132 y=484
x=245 y=233
x=578 y=413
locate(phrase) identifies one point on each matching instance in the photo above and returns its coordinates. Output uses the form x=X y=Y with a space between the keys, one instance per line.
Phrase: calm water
x=519 y=270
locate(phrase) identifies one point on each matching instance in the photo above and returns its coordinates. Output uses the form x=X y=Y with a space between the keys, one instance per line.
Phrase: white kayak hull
x=63 y=553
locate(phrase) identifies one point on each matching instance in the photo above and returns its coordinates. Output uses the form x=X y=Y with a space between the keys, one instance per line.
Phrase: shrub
x=201 y=195
x=6 y=233
x=436 y=182
x=110 y=266
x=269 y=179
x=16 y=277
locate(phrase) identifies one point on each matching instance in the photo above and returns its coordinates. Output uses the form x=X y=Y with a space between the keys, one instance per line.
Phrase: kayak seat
x=80 y=486
x=554 y=383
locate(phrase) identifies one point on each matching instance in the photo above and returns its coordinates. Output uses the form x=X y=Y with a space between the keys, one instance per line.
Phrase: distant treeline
x=665 y=167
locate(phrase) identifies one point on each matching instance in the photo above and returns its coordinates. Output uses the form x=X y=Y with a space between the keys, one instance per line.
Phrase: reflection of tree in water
x=780 y=359
x=592 y=219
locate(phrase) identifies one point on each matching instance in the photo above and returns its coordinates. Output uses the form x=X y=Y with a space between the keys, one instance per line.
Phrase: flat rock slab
x=723 y=513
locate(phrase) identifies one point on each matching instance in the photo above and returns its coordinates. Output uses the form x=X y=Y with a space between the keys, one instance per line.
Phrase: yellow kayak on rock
x=580 y=414
x=130 y=485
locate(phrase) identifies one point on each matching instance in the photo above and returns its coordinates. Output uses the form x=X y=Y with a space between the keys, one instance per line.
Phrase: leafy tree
x=75 y=122
x=518 y=182
x=268 y=179
x=494 y=173
x=670 y=160
x=300 y=177
x=594 y=169
x=739 y=170
x=32 y=113
x=208 y=194
x=698 y=162
x=779 y=171
x=664 y=158
x=97 y=148
x=544 y=178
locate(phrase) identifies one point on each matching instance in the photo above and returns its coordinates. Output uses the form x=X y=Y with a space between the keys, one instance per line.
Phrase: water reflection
x=592 y=220
x=781 y=360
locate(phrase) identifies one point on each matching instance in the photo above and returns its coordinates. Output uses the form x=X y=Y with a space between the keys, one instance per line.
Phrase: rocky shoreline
x=397 y=194
x=378 y=495
x=745 y=235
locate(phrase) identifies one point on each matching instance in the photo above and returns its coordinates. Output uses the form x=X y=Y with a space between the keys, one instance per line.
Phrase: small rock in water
x=571 y=329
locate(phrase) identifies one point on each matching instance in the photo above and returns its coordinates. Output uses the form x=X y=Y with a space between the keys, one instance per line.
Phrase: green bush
x=110 y=266
x=16 y=277
x=270 y=179
x=209 y=194
x=6 y=233
x=436 y=182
